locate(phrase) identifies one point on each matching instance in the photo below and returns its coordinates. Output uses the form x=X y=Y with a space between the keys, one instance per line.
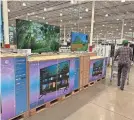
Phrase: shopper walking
x=124 y=55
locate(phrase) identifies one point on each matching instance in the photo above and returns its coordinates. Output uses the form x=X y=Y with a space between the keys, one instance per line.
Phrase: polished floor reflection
x=103 y=101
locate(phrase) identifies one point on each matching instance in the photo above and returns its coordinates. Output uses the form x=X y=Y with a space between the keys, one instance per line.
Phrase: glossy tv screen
x=79 y=41
x=38 y=37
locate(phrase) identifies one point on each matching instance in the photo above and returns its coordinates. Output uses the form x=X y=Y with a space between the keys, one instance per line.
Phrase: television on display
x=79 y=41
x=54 y=77
x=97 y=68
x=38 y=37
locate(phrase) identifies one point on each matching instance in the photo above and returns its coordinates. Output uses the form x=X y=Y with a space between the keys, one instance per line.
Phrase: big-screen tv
x=79 y=41
x=38 y=37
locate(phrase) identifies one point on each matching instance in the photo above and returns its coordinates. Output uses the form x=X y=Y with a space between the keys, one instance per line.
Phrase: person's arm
x=116 y=54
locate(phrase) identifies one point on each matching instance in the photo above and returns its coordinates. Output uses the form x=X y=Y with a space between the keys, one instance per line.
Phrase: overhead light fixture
x=60 y=14
x=123 y=0
x=61 y=20
x=86 y=9
x=117 y=29
x=45 y=9
x=43 y=17
x=36 y=16
x=125 y=24
x=80 y=17
x=130 y=29
x=28 y=14
x=85 y=26
x=60 y=25
x=8 y=10
x=103 y=25
x=117 y=19
x=23 y=4
x=46 y=22
x=30 y=20
x=106 y=15
x=72 y=1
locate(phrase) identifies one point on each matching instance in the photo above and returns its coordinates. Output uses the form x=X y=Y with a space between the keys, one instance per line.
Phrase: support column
x=64 y=34
x=6 y=27
x=122 y=31
x=92 y=26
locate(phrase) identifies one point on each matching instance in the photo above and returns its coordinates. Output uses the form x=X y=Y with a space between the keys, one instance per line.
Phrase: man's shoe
x=122 y=89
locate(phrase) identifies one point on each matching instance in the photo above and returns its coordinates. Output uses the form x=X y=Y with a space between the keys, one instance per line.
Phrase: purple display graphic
x=38 y=77
x=7 y=88
x=97 y=69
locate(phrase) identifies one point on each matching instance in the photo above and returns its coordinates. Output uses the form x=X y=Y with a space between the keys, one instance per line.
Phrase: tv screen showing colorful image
x=38 y=37
x=97 y=68
x=79 y=41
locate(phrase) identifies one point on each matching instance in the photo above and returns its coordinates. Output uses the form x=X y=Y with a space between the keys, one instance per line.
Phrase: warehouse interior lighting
x=23 y=4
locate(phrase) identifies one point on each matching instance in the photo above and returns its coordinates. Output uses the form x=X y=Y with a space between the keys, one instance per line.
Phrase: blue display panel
x=20 y=85
x=13 y=87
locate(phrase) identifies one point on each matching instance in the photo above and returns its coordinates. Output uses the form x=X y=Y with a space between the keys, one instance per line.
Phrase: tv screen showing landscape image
x=38 y=37
x=97 y=68
x=79 y=41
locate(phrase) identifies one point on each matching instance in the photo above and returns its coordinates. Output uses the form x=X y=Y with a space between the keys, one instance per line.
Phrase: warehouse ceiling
x=77 y=16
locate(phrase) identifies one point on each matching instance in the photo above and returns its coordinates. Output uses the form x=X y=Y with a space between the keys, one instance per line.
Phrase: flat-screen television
x=38 y=37
x=97 y=68
x=79 y=41
x=54 y=77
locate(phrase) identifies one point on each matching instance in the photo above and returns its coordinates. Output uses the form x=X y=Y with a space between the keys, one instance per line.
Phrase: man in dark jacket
x=125 y=55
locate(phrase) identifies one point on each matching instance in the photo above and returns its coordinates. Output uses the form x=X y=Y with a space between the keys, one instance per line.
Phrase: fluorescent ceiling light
x=125 y=24
x=123 y=0
x=36 y=16
x=45 y=9
x=23 y=4
x=86 y=9
x=61 y=20
x=117 y=19
x=60 y=14
x=80 y=17
x=117 y=29
x=103 y=25
x=30 y=20
x=106 y=15
x=130 y=29
x=28 y=14
x=8 y=10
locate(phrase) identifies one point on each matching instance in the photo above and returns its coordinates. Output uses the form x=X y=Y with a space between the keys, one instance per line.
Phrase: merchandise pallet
x=44 y=106
x=76 y=91
x=21 y=116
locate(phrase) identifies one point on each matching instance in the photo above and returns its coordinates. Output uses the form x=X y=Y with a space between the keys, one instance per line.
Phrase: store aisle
x=103 y=101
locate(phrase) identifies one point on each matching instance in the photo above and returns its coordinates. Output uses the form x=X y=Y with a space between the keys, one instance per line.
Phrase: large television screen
x=38 y=37
x=79 y=41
